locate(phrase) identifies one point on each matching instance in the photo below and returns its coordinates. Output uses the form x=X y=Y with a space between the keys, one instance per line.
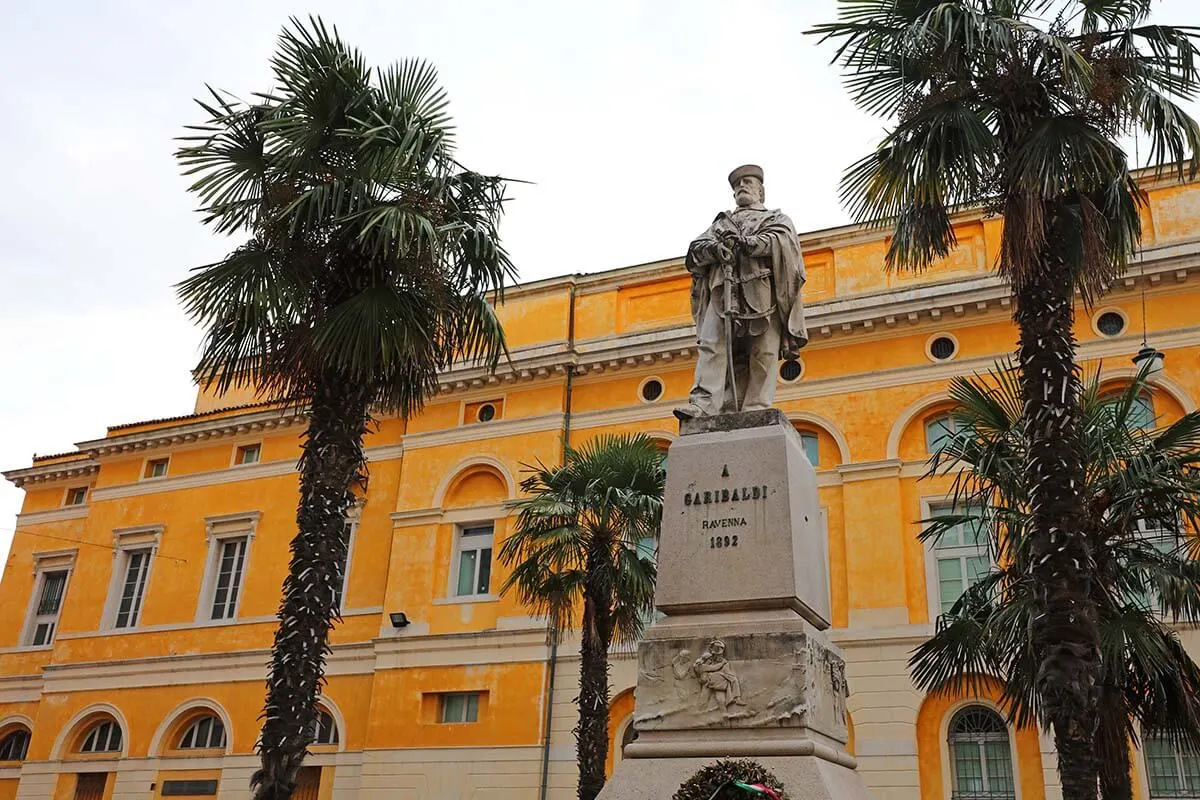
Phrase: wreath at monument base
x=732 y=780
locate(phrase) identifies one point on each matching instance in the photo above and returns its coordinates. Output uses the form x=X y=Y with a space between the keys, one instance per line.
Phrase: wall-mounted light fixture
x=399 y=619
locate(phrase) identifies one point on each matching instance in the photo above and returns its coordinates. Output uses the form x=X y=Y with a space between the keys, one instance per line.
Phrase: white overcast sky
x=625 y=117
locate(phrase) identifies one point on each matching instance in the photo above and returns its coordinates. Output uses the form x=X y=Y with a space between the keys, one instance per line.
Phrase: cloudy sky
x=624 y=116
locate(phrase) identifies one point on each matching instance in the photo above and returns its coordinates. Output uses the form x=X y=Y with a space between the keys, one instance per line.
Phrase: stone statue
x=747 y=271
x=719 y=685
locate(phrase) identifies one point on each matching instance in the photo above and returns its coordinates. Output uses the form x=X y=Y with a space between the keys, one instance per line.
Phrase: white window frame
x=238 y=449
x=933 y=590
x=444 y=696
x=127 y=541
x=815 y=438
x=17 y=730
x=146 y=466
x=220 y=530
x=193 y=728
x=460 y=534
x=94 y=729
x=352 y=523
x=335 y=733
x=948 y=775
x=70 y=493
x=951 y=428
x=43 y=564
x=1143 y=758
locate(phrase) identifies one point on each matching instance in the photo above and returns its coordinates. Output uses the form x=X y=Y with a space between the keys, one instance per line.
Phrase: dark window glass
x=327 y=732
x=980 y=756
x=1111 y=323
x=790 y=370
x=652 y=390
x=15 y=745
x=942 y=348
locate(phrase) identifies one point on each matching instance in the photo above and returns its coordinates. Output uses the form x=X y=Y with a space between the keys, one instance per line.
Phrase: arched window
x=1141 y=411
x=204 y=733
x=663 y=446
x=980 y=756
x=1173 y=773
x=812 y=448
x=14 y=745
x=939 y=429
x=326 y=728
x=103 y=737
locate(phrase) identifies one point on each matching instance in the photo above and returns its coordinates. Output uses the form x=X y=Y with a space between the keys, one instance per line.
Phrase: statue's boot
x=690 y=411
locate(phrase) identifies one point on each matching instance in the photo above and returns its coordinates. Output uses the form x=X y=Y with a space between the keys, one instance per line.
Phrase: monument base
x=740 y=667
x=803 y=777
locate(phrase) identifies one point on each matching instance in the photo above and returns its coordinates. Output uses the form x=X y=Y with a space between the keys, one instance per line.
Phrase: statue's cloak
x=782 y=260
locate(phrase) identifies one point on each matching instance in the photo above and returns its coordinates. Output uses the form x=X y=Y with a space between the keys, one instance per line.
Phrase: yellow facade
x=583 y=348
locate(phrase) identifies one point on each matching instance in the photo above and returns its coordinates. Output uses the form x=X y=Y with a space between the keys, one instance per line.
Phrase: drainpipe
x=551 y=631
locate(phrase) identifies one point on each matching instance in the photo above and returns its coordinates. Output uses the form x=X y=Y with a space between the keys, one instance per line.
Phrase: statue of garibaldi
x=747 y=271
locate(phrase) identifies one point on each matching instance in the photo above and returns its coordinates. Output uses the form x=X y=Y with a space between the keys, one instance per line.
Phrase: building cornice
x=860 y=317
x=194 y=432
x=79 y=468
x=52 y=515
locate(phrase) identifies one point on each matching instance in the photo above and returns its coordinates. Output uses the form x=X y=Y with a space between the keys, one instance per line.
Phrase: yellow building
x=143 y=578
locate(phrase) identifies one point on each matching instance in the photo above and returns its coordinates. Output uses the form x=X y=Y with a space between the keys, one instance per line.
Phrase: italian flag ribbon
x=757 y=789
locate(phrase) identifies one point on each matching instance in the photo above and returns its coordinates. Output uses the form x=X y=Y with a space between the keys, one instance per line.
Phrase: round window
x=651 y=390
x=790 y=370
x=942 y=348
x=486 y=413
x=1110 y=323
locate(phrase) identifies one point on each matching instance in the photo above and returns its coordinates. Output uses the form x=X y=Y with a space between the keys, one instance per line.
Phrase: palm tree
x=583 y=542
x=1140 y=499
x=368 y=253
x=1016 y=106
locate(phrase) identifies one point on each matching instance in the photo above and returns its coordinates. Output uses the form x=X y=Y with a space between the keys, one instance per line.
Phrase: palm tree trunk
x=1112 y=744
x=330 y=466
x=591 y=736
x=1065 y=636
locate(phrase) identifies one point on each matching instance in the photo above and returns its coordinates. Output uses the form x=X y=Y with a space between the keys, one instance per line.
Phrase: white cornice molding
x=491 y=430
x=20 y=688
x=52 y=515
x=899 y=635
x=870 y=470
x=860 y=316
x=234 y=474
x=387 y=452
x=57 y=471
x=189 y=432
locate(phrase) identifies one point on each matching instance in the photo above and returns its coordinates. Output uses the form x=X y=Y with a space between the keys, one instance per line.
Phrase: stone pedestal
x=740 y=667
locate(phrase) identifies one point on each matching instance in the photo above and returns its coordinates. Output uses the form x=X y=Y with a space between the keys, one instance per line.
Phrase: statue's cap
x=746 y=169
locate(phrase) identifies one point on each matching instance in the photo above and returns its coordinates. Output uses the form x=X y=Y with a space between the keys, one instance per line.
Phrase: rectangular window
x=189 y=788
x=1172 y=772
x=77 y=496
x=52 y=587
x=939 y=430
x=961 y=556
x=231 y=558
x=811 y=448
x=474 y=575
x=90 y=785
x=156 y=468
x=248 y=454
x=133 y=588
x=459 y=707
x=344 y=568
